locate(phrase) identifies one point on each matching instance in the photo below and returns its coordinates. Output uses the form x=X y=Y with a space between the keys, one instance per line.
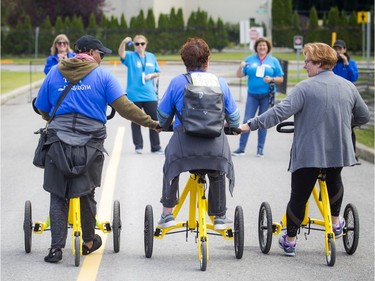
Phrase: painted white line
x=91 y=263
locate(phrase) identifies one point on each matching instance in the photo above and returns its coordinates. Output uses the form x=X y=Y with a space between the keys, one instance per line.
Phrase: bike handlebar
x=280 y=127
x=227 y=130
x=110 y=116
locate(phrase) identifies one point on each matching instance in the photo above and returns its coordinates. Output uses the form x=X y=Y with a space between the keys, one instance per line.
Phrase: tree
x=221 y=36
x=92 y=27
x=46 y=37
x=38 y=9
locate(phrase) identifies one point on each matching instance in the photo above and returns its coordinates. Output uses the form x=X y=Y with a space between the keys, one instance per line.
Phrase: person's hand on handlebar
x=244 y=128
x=157 y=128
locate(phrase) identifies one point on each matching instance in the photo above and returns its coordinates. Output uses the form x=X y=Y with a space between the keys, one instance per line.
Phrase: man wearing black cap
x=346 y=68
x=76 y=135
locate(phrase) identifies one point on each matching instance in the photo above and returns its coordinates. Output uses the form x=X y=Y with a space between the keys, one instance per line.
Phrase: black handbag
x=41 y=149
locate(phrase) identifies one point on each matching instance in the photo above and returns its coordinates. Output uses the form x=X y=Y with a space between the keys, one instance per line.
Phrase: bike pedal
x=39 y=227
x=105 y=227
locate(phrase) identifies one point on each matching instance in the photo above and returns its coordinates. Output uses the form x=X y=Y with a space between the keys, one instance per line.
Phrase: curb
x=365 y=152
x=19 y=91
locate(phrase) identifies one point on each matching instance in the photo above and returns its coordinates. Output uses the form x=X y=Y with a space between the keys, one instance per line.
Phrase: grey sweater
x=325 y=107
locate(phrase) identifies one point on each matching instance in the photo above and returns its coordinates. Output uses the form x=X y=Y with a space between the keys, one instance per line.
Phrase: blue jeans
x=253 y=102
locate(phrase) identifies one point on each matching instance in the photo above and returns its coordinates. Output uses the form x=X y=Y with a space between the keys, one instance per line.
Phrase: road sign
x=298 y=42
x=363 y=17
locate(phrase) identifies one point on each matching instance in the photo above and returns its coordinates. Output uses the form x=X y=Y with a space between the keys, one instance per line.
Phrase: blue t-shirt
x=138 y=90
x=89 y=97
x=255 y=83
x=174 y=97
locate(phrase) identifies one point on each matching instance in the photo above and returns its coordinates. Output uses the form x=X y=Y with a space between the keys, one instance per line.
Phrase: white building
x=230 y=11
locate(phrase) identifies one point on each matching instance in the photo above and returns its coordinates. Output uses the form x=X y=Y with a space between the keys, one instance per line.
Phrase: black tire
x=351 y=230
x=28 y=226
x=77 y=251
x=203 y=260
x=265 y=227
x=116 y=226
x=331 y=257
x=148 y=231
x=238 y=232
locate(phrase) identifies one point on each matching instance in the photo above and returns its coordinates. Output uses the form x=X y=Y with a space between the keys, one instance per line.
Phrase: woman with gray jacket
x=325 y=107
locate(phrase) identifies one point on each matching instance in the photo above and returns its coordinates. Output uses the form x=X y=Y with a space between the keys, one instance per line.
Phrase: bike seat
x=202 y=172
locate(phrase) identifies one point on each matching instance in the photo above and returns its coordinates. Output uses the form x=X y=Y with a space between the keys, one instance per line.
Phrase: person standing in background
x=346 y=68
x=60 y=49
x=263 y=72
x=142 y=69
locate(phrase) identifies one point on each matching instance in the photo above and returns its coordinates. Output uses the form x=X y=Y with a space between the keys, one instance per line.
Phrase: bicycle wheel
x=238 y=232
x=265 y=227
x=203 y=256
x=116 y=226
x=351 y=230
x=148 y=231
x=331 y=255
x=77 y=252
x=27 y=226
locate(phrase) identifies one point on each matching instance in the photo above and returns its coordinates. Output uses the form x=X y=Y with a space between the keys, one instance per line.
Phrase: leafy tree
x=123 y=23
x=333 y=17
x=46 y=37
x=150 y=20
x=221 y=36
x=59 y=26
x=92 y=28
x=38 y=9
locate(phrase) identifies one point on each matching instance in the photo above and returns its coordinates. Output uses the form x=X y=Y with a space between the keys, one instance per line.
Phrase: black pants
x=149 y=108
x=303 y=181
x=59 y=218
x=216 y=194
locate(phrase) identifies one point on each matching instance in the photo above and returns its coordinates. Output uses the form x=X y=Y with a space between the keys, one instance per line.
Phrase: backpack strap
x=188 y=77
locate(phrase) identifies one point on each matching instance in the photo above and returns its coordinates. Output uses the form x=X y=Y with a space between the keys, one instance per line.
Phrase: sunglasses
x=61 y=43
x=102 y=54
x=140 y=43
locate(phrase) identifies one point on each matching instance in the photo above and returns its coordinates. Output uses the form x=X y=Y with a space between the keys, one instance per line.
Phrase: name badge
x=260 y=71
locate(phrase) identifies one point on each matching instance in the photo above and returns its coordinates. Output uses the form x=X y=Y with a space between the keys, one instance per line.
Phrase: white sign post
x=298 y=45
x=254 y=34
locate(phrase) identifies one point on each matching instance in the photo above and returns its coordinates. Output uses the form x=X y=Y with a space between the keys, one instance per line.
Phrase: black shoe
x=96 y=243
x=357 y=161
x=54 y=255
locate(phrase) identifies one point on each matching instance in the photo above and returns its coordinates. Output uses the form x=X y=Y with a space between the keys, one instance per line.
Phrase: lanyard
x=143 y=64
x=261 y=60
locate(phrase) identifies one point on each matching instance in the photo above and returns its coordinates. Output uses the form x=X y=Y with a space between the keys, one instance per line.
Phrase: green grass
x=11 y=80
x=365 y=136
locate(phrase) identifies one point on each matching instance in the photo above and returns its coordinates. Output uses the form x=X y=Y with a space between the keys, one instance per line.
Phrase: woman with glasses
x=60 y=49
x=142 y=69
x=325 y=107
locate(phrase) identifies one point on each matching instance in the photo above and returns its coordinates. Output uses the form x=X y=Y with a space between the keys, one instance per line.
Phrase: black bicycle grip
x=281 y=127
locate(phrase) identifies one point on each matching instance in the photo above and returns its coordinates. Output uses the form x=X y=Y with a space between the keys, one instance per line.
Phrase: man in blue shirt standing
x=346 y=68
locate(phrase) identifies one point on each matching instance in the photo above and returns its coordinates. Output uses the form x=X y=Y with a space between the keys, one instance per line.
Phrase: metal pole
x=363 y=41
x=31 y=81
x=36 y=41
x=297 y=65
x=368 y=53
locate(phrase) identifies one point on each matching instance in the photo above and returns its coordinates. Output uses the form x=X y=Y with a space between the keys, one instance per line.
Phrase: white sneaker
x=221 y=222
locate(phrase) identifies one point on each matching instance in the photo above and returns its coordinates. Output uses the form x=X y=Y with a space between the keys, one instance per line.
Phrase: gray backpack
x=203 y=112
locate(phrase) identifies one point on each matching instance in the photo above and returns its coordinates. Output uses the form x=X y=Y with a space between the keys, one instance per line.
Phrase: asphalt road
x=135 y=180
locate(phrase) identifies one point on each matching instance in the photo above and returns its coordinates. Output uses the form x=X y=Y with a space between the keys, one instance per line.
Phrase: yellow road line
x=91 y=263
